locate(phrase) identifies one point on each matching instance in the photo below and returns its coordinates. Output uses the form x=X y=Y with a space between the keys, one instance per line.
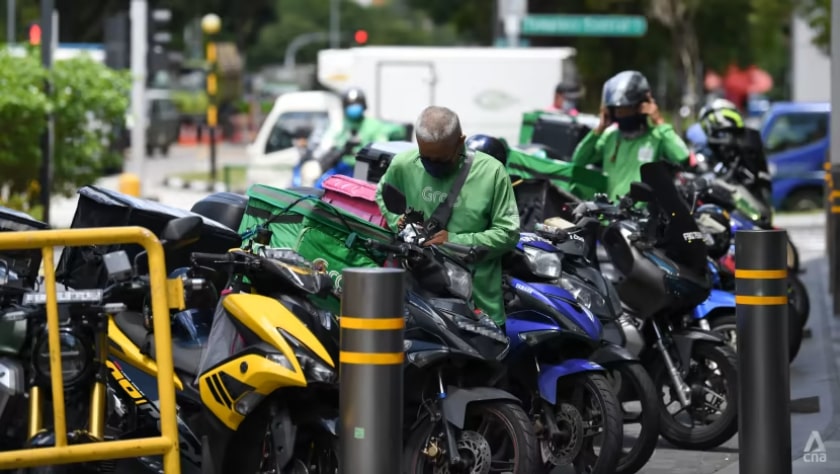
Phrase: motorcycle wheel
x=726 y=326
x=597 y=406
x=798 y=296
x=690 y=434
x=635 y=385
x=514 y=426
x=319 y=456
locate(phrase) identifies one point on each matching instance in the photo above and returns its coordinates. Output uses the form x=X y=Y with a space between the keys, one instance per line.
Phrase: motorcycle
x=661 y=259
x=316 y=165
x=624 y=371
x=454 y=355
x=269 y=417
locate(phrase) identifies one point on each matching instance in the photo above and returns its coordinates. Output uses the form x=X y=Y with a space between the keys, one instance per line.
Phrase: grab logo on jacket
x=429 y=194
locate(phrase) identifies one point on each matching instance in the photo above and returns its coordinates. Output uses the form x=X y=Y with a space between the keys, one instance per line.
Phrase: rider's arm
x=393 y=177
x=589 y=150
x=672 y=146
x=503 y=233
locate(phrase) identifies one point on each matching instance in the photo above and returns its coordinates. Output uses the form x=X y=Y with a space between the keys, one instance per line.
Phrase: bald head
x=437 y=125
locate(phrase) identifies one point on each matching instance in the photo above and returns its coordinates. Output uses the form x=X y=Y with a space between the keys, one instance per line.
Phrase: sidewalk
x=815 y=373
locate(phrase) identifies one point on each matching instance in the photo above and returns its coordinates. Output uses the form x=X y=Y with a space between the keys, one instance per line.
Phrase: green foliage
x=87 y=99
x=818 y=14
x=385 y=26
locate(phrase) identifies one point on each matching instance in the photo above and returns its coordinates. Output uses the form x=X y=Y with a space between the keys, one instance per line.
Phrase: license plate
x=64 y=297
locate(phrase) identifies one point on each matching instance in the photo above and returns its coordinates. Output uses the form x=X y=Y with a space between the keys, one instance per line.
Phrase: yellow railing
x=167 y=443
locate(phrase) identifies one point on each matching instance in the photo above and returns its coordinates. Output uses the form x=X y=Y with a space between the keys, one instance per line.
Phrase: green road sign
x=584 y=25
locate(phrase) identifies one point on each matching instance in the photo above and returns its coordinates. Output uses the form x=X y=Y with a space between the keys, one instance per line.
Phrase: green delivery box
x=578 y=180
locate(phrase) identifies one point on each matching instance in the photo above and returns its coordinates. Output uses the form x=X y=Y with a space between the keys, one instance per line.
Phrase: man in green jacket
x=639 y=134
x=360 y=129
x=485 y=213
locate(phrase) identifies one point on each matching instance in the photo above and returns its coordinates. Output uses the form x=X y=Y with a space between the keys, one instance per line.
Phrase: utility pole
x=335 y=23
x=10 y=22
x=833 y=164
x=48 y=40
x=139 y=40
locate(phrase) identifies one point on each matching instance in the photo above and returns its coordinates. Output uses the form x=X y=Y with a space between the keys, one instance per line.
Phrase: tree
x=678 y=17
x=818 y=15
x=88 y=98
x=385 y=25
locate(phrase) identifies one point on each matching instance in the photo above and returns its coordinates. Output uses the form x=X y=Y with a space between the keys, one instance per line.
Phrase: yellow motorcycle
x=260 y=394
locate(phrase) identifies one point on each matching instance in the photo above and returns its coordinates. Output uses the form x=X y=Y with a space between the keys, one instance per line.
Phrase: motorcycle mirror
x=394 y=199
x=640 y=192
x=180 y=232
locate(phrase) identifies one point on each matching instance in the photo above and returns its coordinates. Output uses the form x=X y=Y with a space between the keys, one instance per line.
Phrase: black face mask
x=437 y=169
x=633 y=123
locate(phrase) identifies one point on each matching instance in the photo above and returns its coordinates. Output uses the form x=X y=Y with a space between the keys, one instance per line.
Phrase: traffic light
x=361 y=36
x=35 y=34
x=158 y=41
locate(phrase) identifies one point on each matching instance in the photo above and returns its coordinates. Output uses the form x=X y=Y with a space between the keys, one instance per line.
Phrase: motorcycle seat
x=133 y=325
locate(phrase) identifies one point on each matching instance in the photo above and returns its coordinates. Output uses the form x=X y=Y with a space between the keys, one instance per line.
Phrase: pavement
x=815 y=372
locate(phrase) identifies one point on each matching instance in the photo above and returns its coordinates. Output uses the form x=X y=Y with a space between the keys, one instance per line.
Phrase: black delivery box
x=374 y=158
x=560 y=134
x=25 y=263
x=82 y=267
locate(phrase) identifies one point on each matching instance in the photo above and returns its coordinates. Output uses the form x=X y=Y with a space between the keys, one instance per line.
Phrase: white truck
x=489 y=88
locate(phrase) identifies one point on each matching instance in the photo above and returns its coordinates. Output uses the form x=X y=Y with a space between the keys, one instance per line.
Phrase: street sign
x=584 y=25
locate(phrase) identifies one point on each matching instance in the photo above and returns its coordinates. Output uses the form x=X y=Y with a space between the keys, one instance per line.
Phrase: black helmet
x=353 y=95
x=627 y=88
x=490 y=145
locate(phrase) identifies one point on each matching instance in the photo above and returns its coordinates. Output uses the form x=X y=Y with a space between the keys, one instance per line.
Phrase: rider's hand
x=401 y=222
x=605 y=121
x=651 y=110
x=440 y=238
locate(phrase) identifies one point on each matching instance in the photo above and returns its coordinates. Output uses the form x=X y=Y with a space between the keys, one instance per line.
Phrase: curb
x=197 y=185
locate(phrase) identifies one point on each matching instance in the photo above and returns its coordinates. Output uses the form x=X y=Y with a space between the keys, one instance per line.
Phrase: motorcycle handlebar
x=201 y=257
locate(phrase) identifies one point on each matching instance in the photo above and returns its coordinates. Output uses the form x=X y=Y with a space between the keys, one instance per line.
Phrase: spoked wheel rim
x=709 y=396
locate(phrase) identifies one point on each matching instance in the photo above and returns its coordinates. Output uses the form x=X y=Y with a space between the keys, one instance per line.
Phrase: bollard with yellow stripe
x=371 y=370
x=763 y=363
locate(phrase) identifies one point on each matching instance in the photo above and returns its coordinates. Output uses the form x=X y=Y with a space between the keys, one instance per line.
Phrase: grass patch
x=234 y=177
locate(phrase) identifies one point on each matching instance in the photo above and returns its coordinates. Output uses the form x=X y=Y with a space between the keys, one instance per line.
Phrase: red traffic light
x=361 y=36
x=35 y=34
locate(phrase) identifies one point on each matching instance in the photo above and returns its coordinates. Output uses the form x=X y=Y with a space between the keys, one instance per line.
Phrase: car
x=796 y=140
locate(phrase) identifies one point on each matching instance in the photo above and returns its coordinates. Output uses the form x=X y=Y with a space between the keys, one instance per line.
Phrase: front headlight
x=543 y=264
x=310 y=171
x=311 y=365
x=460 y=281
x=585 y=295
x=484 y=326
x=772 y=168
x=315 y=370
x=75 y=356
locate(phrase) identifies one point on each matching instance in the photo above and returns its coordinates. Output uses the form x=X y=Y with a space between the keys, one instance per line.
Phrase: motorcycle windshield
x=681 y=239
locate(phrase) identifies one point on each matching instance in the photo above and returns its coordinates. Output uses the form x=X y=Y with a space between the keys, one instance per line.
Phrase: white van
x=274 y=154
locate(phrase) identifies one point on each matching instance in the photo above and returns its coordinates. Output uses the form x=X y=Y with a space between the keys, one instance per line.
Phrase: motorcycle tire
x=602 y=395
x=516 y=423
x=725 y=325
x=636 y=385
x=798 y=295
x=726 y=426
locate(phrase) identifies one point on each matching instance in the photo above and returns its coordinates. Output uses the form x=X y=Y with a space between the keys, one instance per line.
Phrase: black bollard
x=371 y=372
x=832 y=225
x=763 y=366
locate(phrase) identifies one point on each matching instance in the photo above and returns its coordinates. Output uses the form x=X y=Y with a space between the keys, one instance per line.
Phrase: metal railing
x=167 y=443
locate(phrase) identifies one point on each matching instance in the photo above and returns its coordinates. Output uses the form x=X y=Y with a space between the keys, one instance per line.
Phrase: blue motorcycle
x=557 y=326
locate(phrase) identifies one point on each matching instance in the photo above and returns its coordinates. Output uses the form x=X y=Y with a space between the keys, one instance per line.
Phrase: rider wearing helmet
x=718 y=115
x=631 y=132
x=489 y=145
x=361 y=129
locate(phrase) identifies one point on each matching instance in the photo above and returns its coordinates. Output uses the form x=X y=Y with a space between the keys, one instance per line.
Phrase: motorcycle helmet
x=713 y=222
x=622 y=95
x=354 y=103
x=489 y=145
x=718 y=115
